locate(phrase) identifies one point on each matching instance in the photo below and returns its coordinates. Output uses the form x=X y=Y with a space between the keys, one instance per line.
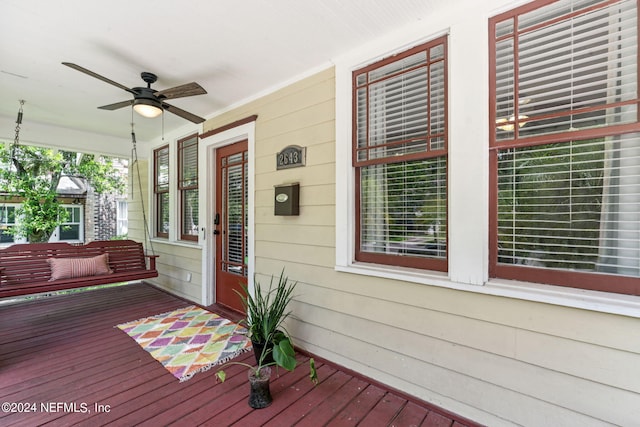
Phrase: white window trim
x=55 y=236
x=17 y=221
x=206 y=175
x=122 y=216
x=460 y=276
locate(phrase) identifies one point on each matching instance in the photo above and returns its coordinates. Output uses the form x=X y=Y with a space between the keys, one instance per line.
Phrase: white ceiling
x=234 y=49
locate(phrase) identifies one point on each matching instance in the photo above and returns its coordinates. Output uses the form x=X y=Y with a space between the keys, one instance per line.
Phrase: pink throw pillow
x=65 y=268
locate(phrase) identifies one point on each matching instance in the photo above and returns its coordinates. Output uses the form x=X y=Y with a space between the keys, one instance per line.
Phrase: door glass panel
x=234 y=214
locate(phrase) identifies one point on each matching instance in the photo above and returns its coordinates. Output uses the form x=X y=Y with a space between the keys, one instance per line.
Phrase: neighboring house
x=469 y=209
x=72 y=193
x=90 y=216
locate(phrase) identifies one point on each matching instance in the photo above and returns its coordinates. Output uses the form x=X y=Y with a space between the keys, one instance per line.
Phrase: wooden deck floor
x=63 y=353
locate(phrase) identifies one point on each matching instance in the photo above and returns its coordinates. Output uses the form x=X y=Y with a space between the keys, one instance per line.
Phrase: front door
x=230 y=223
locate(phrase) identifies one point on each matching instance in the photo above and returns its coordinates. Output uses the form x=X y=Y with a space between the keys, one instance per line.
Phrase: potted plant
x=266 y=312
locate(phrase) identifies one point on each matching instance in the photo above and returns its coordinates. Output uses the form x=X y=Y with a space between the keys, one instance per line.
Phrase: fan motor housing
x=148 y=77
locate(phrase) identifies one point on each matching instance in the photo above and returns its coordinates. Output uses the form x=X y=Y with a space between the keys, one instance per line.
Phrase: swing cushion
x=65 y=268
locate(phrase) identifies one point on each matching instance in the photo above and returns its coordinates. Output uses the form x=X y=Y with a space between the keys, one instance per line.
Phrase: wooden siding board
x=601 y=365
x=300 y=254
x=312 y=175
x=298 y=234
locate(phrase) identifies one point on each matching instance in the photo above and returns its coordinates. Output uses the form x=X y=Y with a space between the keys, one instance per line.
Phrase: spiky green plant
x=266 y=312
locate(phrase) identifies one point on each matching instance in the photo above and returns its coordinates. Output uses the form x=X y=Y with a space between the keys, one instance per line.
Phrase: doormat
x=188 y=340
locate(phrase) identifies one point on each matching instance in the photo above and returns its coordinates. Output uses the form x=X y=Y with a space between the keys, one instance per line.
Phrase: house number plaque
x=292 y=156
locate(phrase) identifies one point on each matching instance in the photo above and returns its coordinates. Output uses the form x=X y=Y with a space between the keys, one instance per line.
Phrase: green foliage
x=266 y=311
x=33 y=174
x=313 y=373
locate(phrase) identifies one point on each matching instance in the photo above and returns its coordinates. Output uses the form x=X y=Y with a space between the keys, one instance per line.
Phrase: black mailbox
x=287 y=199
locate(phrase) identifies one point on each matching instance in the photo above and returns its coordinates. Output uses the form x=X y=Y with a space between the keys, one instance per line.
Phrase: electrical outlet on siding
x=188 y=278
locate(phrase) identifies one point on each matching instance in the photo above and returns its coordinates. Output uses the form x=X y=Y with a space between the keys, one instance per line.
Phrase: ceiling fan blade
x=182 y=113
x=117 y=105
x=97 y=76
x=189 y=89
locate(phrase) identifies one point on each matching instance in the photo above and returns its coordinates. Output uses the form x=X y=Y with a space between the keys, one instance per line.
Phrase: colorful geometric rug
x=188 y=340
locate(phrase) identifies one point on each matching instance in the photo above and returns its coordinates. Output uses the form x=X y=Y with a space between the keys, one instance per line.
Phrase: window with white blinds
x=161 y=190
x=566 y=66
x=400 y=157
x=188 y=187
x=565 y=146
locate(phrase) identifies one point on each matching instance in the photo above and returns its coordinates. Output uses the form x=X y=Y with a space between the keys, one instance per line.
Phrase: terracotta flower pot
x=260 y=395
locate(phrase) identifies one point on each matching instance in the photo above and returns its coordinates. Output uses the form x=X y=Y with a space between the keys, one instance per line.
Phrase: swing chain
x=134 y=162
x=16 y=140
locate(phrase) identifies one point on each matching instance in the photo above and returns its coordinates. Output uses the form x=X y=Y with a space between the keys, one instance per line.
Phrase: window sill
x=184 y=243
x=604 y=302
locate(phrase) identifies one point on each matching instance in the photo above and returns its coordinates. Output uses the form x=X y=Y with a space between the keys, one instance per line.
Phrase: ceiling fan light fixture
x=147 y=108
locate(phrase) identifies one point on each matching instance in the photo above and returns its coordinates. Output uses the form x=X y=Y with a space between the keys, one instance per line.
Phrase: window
x=400 y=158
x=161 y=190
x=565 y=145
x=7 y=222
x=122 y=218
x=73 y=226
x=188 y=187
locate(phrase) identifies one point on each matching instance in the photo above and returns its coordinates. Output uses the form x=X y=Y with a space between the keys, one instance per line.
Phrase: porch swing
x=29 y=268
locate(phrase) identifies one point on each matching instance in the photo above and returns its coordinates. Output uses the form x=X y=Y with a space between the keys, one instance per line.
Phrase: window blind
x=566 y=145
x=188 y=163
x=161 y=157
x=400 y=158
x=574 y=205
x=235 y=213
x=161 y=188
x=400 y=107
x=188 y=187
x=574 y=68
x=403 y=208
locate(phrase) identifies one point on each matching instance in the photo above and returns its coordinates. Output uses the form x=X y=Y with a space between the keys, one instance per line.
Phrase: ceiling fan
x=149 y=102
